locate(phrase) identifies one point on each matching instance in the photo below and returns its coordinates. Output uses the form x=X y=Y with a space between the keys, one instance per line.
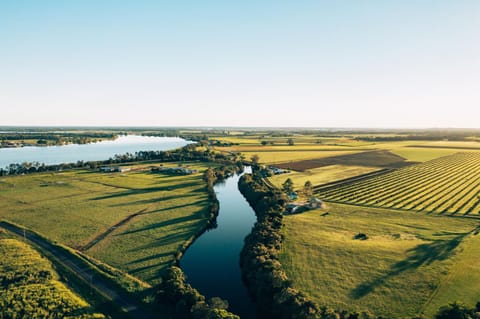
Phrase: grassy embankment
x=410 y=263
x=142 y=219
x=31 y=288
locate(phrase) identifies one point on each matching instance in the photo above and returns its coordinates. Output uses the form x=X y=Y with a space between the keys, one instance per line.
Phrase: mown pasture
x=447 y=185
x=30 y=287
x=410 y=263
x=136 y=221
x=321 y=175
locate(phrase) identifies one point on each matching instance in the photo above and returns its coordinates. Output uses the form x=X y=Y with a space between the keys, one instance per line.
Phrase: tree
x=287 y=186
x=255 y=158
x=308 y=189
x=455 y=310
x=210 y=177
x=218 y=303
x=264 y=143
x=290 y=142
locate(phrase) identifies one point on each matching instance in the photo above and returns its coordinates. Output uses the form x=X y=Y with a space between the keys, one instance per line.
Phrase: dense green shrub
x=189 y=303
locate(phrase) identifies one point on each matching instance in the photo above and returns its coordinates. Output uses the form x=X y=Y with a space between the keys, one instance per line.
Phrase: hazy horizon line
x=244 y=127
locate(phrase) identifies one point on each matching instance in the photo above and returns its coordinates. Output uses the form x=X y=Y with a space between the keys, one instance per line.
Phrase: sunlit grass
x=410 y=263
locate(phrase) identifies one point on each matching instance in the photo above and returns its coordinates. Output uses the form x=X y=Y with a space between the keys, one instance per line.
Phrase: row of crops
x=446 y=185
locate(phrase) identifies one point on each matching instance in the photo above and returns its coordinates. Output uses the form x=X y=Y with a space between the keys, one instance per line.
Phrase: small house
x=315 y=203
x=277 y=171
x=293 y=196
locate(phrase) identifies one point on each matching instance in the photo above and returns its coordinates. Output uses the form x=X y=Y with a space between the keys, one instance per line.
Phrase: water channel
x=212 y=262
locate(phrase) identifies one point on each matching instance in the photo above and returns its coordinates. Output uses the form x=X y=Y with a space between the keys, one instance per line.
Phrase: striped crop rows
x=446 y=185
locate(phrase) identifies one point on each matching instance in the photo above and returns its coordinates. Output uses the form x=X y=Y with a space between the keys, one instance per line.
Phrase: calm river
x=212 y=263
x=72 y=153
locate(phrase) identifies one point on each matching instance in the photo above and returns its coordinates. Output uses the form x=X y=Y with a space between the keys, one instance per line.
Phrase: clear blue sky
x=349 y=63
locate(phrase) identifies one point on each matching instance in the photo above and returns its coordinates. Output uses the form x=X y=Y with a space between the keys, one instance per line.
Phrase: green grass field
x=275 y=157
x=161 y=213
x=411 y=263
x=30 y=287
x=321 y=175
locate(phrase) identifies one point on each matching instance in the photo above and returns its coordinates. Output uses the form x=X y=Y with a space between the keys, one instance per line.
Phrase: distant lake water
x=72 y=153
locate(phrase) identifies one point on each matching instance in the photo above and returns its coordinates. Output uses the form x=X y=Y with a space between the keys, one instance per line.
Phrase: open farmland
x=409 y=264
x=277 y=150
x=292 y=156
x=30 y=287
x=321 y=175
x=136 y=221
x=447 y=185
x=378 y=158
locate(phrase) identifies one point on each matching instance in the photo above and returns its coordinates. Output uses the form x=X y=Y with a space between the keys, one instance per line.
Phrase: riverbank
x=261 y=268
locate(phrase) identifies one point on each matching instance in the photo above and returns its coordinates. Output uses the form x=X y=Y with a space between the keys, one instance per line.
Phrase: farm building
x=111 y=169
x=293 y=195
x=296 y=208
x=277 y=171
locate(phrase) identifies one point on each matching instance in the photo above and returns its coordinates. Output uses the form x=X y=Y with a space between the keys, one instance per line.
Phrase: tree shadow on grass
x=137 y=270
x=147 y=190
x=179 y=237
x=168 y=222
x=423 y=254
x=153 y=200
x=151 y=257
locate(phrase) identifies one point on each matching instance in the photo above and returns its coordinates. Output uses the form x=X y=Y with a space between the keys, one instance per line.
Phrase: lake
x=103 y=150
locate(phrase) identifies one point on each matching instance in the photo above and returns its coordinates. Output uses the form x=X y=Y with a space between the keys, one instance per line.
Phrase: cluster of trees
x=50 y=138
x=189 y=303
x=458 y=310
x=288 y=187
x=290 y=142
x=220 y=143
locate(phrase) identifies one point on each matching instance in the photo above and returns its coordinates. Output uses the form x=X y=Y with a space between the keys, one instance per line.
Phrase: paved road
x=96 y=281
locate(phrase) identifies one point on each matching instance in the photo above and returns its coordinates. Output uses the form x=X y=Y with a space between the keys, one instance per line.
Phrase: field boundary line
x=111 y=229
